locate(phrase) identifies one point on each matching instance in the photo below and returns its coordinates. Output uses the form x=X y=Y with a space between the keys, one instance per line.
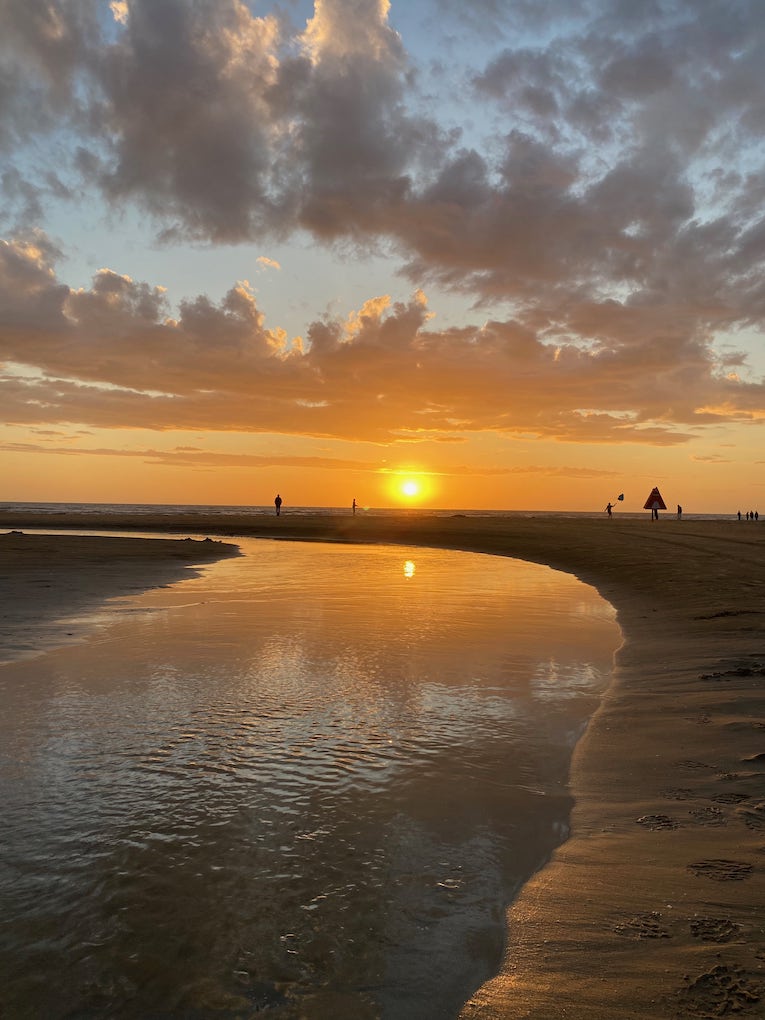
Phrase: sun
x=410 y=488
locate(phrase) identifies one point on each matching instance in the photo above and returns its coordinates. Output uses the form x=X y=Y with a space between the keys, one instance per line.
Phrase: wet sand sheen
x=663 y=878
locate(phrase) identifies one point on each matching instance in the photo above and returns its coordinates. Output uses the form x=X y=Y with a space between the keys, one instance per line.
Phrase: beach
x=653 y=907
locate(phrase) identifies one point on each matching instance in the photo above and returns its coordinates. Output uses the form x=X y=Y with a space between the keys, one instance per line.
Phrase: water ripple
x=303 y=778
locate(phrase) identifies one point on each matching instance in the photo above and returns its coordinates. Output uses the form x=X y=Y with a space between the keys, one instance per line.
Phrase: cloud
x=608 y=196
x=546 y=470
x=187 y=116
x=112 y=355
x=120 y=10
x=604 y=134
x=213 y=121
x=266 y=263
x=185 y=457
x=711 y=458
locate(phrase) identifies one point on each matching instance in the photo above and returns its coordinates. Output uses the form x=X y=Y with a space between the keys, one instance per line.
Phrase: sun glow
x=410 y=488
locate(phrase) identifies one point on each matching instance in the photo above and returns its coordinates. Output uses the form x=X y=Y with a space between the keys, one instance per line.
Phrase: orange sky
x=323 y=249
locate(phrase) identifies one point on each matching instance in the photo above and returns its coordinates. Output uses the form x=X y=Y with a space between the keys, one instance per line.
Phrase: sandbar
x=50 y=584
x=655 y=906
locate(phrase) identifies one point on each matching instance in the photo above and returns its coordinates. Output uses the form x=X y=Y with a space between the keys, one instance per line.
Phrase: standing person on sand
x=609 y=508
x=679 y=511
x=354 y=505
x=278 y=504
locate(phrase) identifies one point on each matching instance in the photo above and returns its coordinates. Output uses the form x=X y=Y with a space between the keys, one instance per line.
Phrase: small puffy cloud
x=347 y=30
x=120 y=10
x=266 y=263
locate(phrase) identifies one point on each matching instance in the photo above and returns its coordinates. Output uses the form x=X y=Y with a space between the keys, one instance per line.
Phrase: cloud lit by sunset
x=299 y=247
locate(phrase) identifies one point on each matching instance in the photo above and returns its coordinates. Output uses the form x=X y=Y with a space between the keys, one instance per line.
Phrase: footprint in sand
x=708 y=816
x=721 y=870
x=642 y=926
x=730 y=798
x=719 y=992
x=743 y=670
x=714 y=929
x=657 y=822
x=753 y=816
x=678 y=793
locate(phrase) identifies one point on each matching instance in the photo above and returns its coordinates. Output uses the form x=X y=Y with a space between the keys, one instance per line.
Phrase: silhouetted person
x=739 y=515
x=278 y=504
x=679 y=511
x=655 y=511
x=354 y=505
x=609 y=508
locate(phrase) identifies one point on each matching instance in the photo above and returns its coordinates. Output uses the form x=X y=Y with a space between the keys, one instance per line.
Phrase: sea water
x=304 y=784
x=224 y=513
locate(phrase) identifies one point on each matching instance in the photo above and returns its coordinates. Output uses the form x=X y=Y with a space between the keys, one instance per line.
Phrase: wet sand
x=655 y=905
x=48 y=582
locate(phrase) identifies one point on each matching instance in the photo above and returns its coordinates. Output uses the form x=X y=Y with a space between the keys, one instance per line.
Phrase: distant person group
x=278 y=505
x=654 y=506
x=654 y=503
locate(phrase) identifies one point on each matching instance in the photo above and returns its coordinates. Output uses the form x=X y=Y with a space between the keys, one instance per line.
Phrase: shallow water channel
x=304 y=784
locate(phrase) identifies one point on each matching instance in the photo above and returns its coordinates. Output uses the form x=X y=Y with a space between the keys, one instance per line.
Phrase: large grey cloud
x=225 y=126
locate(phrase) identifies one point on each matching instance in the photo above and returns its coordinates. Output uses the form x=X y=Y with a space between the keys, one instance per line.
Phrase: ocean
x=172 y=510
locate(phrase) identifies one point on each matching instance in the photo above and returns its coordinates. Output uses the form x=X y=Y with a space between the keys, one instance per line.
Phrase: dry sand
x=655 y=907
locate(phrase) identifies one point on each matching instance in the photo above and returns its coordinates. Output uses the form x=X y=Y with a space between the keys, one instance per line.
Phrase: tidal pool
x=304 y=784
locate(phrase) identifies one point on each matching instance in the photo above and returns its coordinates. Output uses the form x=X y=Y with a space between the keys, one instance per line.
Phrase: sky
x=500 y=255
